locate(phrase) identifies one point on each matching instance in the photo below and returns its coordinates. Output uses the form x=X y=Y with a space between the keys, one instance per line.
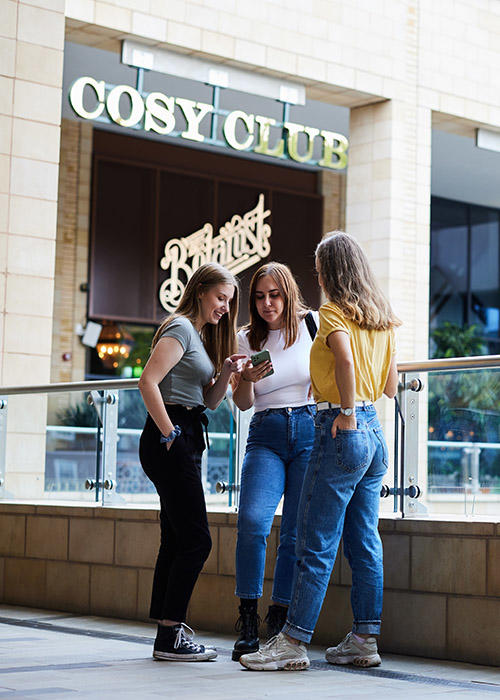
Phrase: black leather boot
x=248 y=627
x=275 y=619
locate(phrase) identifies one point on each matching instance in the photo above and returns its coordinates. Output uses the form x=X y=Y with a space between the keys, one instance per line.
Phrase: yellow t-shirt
x=371 y=350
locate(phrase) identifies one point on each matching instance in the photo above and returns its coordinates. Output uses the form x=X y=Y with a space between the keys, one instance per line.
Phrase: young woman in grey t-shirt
x=191 y=363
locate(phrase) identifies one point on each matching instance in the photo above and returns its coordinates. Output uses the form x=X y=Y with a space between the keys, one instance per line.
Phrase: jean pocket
x=352 y=449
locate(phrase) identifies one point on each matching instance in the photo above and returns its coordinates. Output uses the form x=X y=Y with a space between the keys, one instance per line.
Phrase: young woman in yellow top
x=352 y=364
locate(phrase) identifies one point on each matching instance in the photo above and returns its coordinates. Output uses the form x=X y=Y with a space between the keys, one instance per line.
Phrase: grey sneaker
x=278 y=654
x=351 y=651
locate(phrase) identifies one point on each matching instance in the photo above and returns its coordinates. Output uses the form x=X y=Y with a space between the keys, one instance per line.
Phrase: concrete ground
x=44 y=654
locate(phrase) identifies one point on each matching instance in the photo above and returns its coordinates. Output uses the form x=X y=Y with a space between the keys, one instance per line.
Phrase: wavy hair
x=219 y=339
x=349 y=283
x=294 y=308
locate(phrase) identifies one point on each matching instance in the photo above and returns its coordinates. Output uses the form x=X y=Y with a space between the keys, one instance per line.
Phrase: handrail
x=95 y=385
x=450 y=363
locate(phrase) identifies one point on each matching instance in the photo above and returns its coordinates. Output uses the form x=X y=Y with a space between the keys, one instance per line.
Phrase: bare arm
x=340 y=345
x=215 y=392
x=391 y=385
x=166 y=354
x=243 y=393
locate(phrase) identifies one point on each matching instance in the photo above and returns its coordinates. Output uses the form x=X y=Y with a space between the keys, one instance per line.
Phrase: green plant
x=79 y=415
x=456 y=341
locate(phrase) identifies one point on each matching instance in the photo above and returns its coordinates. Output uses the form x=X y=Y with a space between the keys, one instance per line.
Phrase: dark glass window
x=465 y=270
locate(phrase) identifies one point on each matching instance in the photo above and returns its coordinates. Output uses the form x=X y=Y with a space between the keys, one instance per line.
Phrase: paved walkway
x=44 y=654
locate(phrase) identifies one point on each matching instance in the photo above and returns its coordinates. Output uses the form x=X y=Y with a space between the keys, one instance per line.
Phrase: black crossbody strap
x=311 y=324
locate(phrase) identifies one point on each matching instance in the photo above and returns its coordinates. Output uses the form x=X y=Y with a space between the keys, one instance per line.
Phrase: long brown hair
x=349 y=282
x=294 y=308
x=219 y=339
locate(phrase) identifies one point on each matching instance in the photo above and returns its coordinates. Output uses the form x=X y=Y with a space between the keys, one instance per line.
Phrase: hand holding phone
x=263 y=356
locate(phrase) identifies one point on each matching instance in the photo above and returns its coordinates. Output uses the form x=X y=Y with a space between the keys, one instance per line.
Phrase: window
x=465 y=270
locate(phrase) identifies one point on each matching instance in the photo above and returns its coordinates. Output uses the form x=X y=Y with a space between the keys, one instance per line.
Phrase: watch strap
x=347 y=411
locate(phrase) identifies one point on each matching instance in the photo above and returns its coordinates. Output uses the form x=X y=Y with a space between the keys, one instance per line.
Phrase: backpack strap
x=311 y=324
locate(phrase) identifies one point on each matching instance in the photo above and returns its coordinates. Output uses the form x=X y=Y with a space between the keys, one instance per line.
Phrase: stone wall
x=442 y=577
x=72 y=251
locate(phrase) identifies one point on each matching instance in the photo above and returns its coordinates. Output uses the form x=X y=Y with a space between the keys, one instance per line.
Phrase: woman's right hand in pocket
x=254 y=374
x=342 y=422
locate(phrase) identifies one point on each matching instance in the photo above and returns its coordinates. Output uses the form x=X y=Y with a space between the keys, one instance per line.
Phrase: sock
x=248 y=603
x=359 y=639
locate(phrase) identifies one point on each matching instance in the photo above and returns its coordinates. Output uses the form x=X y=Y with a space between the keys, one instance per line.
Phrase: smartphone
x=260 y=357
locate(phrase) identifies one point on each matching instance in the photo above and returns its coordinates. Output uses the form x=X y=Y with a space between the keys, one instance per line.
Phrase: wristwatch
x=173 y=434
x=347 y=411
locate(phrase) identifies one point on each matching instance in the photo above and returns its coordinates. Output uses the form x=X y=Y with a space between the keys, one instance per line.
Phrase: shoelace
x=345 y=642
x=275 y=616
x=184 y=638
x=272 y=642
x=245 y=619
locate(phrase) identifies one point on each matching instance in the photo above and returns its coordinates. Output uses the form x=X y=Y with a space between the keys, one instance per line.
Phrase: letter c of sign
x=229 y=129
x=76 y=97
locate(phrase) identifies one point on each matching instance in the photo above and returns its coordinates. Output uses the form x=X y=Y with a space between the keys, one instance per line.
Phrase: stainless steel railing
x=405 y=488
x=452 y=363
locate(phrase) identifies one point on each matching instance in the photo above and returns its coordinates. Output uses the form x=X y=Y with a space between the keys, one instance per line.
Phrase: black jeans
x=185 y=537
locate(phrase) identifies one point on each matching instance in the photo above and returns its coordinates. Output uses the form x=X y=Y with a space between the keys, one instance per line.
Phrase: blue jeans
x=340 y=497
x=279 y=445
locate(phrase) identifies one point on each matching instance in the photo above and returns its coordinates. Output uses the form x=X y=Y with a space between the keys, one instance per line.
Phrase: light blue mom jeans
x=340 y=498
x=279 y=445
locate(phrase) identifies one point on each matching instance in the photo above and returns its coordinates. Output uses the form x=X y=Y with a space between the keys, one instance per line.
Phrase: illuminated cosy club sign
x=155 y=112
x=241 y=243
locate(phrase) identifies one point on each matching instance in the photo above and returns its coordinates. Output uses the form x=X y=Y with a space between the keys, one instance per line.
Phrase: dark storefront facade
x=158 y=210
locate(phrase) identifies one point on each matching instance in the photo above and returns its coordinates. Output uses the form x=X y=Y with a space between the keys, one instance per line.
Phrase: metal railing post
x=409 y=490
x=243 y=419
x=3 y=442
x=109 y=447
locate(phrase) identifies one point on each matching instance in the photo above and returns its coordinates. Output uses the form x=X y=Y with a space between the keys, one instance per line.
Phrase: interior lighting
x=114 y=344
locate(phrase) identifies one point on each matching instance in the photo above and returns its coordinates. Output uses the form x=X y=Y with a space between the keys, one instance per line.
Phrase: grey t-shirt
x=185 y=381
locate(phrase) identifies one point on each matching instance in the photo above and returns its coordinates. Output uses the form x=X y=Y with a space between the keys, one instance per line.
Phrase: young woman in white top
x=279 y=443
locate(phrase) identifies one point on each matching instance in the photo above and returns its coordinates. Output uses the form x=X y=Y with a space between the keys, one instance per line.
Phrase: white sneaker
x=352 y=651
x=278 y=654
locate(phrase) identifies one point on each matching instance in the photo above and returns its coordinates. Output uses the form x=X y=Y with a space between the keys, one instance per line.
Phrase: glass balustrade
x=81 y=443
x=463 y=442
x=84 y=446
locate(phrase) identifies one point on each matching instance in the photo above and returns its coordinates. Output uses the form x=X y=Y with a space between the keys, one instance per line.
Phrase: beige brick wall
x=353 y=49
x=31 y=59
x=72 y=249
x=333 y=187
x=442 y=578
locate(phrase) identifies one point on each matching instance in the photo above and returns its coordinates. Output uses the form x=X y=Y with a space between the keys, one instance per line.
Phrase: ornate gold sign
x=126 y=106
x=242 y=242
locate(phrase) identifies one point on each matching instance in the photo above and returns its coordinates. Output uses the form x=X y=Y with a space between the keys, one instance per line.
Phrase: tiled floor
x=44 y=653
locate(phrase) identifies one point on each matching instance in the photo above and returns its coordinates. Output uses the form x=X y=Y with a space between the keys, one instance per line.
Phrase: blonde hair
x=294 y=308
x=349 y=282
x=219 y=339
